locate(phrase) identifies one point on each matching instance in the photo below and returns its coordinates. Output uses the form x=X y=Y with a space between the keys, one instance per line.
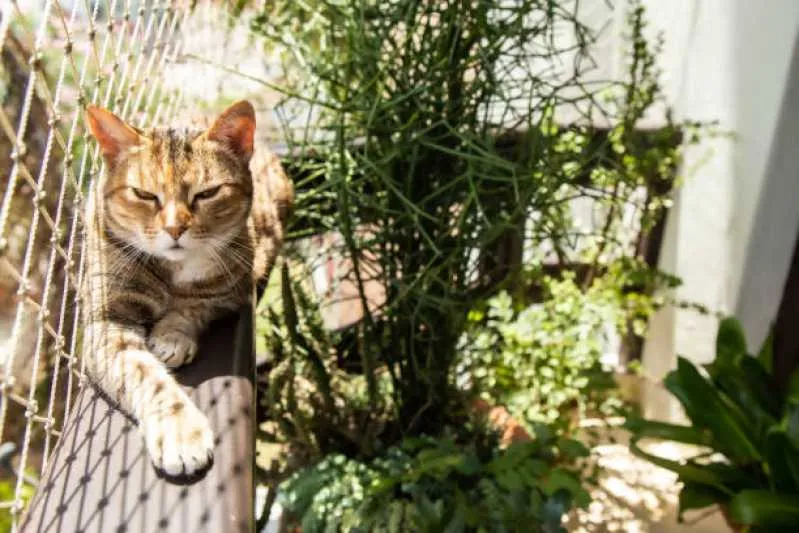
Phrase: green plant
x=536 y=360
x=748 y=432
x=430 y=147
x=426 y=164
x=437 y=484
x=543 y=360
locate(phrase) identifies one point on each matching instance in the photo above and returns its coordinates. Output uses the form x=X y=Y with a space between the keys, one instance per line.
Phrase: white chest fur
x=194 y=269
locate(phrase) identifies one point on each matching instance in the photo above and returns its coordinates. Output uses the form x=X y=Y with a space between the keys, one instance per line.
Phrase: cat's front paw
x=174 y=348
x=180 y=443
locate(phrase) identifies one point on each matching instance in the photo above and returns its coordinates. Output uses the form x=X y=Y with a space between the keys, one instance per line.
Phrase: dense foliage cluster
x=434 y=484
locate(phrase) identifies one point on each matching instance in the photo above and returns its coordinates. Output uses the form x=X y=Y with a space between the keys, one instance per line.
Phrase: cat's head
x=176 y=194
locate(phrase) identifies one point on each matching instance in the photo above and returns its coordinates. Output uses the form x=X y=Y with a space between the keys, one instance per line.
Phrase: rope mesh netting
x=57 y=56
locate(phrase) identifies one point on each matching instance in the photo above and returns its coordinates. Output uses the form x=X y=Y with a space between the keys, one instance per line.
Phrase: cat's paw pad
x=181 y=443
x=173 y=348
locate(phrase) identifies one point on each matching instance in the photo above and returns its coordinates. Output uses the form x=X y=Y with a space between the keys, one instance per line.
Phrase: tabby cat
x=177 y=229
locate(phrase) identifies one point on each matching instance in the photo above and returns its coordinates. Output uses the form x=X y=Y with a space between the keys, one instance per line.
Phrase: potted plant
x=747 y=428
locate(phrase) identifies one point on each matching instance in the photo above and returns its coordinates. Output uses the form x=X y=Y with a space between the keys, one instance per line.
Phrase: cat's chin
x=174 y=255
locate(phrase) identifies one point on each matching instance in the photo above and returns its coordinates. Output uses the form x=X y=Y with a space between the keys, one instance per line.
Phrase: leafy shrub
x=433 y=485
x=536 y=361
x=748 y=431
x=543 y=361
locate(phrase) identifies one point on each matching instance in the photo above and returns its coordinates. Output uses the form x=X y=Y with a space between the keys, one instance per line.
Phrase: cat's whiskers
x=214 y=255
x=229 y=248
x=128 y=256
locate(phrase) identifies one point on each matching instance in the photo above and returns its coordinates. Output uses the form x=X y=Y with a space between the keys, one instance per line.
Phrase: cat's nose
x=176 y=231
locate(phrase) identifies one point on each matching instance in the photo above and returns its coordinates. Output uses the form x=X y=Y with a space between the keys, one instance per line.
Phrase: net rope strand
x=115 y=53
x=30 y=405
x=60 y=353
x=59 y=338
x=16 y=154
x=43 y=314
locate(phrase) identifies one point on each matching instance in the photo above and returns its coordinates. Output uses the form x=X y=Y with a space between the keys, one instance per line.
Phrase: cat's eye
x=144 y=195
x=207 y=193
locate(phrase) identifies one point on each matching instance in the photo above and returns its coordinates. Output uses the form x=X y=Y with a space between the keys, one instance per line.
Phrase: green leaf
x=735 y=477
x=762 y=385
x=475 y=315
x=764 y=508
x=560 y=479
x=434 y=464
x=428 y=514
x=730 y=341
x=792 y=423
x=792 y=462
x=766 y=354
x=674 y=385
x=738 y=388
x=458 y=522
x=642 y=428
x=707 y=409
x=697 y=496
x=782 y=461
x=470 y=466
x=573 y=449
x=792 y=394
x=715 y=475
x=510 y=480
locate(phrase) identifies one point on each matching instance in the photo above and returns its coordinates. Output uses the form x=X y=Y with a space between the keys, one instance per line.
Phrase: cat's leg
x=173 y=339
x=177 y=434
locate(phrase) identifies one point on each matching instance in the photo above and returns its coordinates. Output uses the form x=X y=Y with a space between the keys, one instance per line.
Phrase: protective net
x=139 y=59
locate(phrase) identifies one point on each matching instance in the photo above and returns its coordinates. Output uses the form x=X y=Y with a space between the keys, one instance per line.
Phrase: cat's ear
x=112 y=133
x=235 y=129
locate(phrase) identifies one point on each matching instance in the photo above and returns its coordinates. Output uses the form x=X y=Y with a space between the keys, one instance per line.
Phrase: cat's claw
x=173 y=348
x=182 y=444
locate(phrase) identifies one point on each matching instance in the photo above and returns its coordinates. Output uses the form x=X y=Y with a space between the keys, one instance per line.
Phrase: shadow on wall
x=766 y=289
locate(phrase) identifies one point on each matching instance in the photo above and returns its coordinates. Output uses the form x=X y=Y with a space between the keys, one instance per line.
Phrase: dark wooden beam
x=786 y=326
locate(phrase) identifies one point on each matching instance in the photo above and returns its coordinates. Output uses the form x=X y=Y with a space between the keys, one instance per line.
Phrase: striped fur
x=176 y=235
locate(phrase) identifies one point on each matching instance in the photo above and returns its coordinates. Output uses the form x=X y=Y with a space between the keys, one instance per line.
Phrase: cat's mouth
x=175 y=252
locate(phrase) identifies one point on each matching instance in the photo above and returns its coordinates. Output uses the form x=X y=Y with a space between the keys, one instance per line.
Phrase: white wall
x=723 y=60
x=767 y=171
